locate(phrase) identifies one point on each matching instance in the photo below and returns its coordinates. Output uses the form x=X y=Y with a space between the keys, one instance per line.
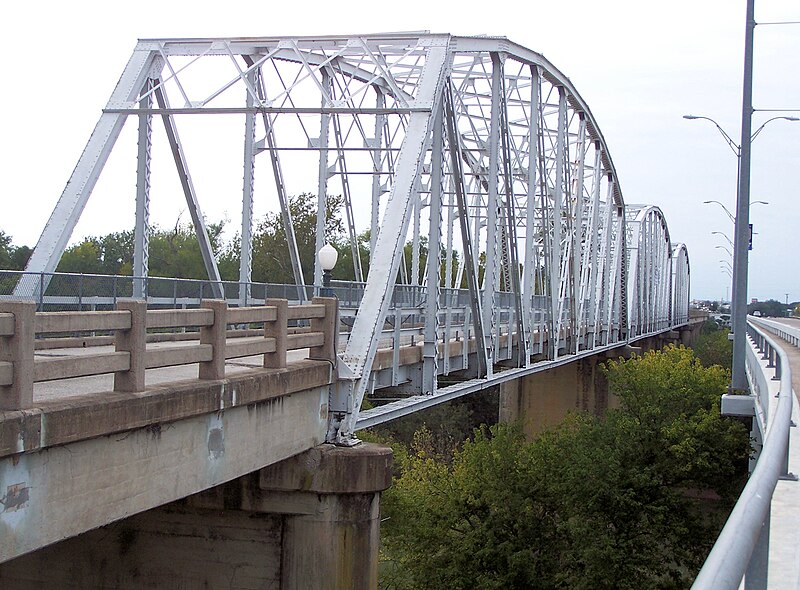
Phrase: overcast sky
x=640 y=66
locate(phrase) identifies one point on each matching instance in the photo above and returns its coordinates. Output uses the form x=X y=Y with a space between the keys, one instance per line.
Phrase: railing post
x=215 y=335
x=134 y=342
x=328 y=326
x=17 y=349
x=278 y=330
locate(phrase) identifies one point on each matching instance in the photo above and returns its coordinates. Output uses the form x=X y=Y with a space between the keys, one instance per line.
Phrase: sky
x=640 y=67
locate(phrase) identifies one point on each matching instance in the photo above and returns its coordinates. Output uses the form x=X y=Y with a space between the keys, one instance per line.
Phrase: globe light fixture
x=328 y=256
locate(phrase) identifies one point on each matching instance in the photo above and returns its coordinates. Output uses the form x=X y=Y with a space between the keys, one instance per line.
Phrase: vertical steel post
x=429 y=352
x=576 y=296
x=380 y=121
x=246 y=250
x=556 y=269
x=322 y=189
x=491 y=271
x=529 y=268
x=141 y=233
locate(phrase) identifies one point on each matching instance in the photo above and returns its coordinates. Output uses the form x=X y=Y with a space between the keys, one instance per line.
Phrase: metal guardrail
x=742 y=548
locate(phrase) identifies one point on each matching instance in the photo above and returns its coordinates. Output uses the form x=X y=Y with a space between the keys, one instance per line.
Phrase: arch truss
x=474 y=149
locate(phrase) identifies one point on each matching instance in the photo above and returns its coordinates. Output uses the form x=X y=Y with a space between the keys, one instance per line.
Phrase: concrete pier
x=310 y=522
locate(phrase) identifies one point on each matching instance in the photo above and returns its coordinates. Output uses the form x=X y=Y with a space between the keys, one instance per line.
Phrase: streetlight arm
x=724 y=208
x=724 y=235
x=752 y=137
x=728 y=139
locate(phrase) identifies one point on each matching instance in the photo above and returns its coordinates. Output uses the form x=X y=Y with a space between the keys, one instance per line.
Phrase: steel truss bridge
x=473 y=147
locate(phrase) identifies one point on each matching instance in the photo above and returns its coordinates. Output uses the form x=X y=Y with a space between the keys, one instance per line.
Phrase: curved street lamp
x=724 y=248
x=741 y=226
x=735 y=147
x=724 y=235
x=729 y=214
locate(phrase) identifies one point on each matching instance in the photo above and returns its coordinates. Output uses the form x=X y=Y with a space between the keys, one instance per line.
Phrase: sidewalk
x=784 y=555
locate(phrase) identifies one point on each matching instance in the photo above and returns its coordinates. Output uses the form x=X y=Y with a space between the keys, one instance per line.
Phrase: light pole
x=327 y=260
x=741 y=221
x=724 y=248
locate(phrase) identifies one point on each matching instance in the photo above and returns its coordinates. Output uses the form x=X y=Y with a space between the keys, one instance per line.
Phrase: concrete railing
x=21 y=325
x=742 y=548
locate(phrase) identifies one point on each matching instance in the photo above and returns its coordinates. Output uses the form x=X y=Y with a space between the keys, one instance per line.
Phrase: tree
x=12 y=257
x=713 y=347
x=111 y=254
x=271 y=261
x=5 y=250
x=631 y=500
x=769 y=308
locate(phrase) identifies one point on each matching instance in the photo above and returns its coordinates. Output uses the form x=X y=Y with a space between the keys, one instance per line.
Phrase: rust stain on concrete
x=216 y=443
x=16 y=497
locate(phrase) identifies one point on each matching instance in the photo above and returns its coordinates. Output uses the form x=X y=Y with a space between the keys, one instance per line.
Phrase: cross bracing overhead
x=474 y=148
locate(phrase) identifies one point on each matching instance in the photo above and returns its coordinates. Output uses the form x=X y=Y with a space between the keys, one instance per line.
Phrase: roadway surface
x=784 y=556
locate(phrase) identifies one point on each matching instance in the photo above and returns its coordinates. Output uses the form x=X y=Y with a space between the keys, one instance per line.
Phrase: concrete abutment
x=310 y=522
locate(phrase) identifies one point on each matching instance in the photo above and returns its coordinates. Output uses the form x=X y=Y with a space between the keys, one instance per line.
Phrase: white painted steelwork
x=474 y=148
x=650 y=271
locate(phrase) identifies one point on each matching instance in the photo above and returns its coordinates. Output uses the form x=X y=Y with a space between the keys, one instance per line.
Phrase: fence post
x=134 y=342
x=215 y=336
x=278 y=330
x=41 y=291
x=329 y=326
x=17 y=349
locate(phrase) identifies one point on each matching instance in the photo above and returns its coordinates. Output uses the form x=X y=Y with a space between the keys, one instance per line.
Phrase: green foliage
x=714 y=348
x=271 y=261
x=447 y=425
x=12 y=257
x=769 y=308
x=631 y=500
x=176 y=252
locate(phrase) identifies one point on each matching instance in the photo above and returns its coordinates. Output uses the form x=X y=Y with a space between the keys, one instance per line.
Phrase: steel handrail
x=731 y=555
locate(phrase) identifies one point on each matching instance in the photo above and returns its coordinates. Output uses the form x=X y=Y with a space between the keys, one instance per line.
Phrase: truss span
x=474 y=148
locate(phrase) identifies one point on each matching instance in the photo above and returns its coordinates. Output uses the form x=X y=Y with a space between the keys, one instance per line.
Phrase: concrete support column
x=542 y=400
x=335 y=544
x=510 y=401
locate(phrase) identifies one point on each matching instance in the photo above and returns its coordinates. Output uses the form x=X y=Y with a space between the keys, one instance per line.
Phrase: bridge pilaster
x=334 y=543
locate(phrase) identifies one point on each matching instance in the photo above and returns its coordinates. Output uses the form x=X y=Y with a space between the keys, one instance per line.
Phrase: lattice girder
x=473 y=147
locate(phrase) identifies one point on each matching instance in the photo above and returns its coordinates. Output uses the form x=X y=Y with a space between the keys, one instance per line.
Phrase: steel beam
x=191 y=196
x=141 y=232
x=363 y=341
x=58 y=230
